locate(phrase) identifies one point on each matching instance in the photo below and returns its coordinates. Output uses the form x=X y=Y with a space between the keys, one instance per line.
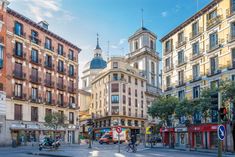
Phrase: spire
x=97 y=45
x=142 y=18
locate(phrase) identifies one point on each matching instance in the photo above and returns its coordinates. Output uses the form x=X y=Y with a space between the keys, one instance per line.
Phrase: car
x=106 y=139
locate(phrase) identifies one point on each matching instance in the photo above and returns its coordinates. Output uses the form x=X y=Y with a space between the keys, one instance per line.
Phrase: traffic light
x=222 y=113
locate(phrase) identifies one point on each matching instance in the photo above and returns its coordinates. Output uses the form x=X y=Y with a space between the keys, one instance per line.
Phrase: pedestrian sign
x=221 y=132
x=89 y=129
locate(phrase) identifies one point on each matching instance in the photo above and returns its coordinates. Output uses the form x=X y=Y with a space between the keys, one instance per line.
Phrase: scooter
x=48 y=143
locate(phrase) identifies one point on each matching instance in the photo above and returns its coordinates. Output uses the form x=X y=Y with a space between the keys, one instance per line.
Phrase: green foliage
x=184 y=108
x=227 y=89
x=55 y=120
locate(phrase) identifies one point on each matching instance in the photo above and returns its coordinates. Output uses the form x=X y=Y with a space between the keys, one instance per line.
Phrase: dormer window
x=136 y=45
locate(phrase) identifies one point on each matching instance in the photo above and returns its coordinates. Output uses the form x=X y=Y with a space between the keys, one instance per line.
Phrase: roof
x=98 y=63
x=191 y=19
x=29 y=21
x=142 y=30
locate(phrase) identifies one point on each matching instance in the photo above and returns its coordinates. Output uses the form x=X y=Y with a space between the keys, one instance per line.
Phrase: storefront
x=100 y=132
x=181 y=137
x=168 y=136
x=203 y=136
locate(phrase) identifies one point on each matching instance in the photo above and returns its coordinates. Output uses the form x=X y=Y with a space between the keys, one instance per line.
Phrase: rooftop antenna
x=142 y=17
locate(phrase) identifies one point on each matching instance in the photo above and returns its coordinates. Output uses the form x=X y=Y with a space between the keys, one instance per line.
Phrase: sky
x=115 y=21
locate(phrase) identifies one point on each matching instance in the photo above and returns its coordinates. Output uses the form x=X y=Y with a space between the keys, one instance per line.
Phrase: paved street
x=101 y=151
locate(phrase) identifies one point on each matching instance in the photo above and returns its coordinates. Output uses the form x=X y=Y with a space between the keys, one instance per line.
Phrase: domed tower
x=92 y=68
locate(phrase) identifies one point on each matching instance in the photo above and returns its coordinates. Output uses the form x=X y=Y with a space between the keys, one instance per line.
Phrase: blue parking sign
x=89 y=129
x=221 y=132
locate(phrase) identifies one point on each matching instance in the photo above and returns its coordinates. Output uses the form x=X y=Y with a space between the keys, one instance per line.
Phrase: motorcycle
x=48 y=143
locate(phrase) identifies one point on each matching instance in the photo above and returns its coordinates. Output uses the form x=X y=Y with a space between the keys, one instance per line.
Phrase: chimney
x=43 y=24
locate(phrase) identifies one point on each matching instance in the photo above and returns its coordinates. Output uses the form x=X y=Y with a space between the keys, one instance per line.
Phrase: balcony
x=19 y=55
x=19 y=75
x=49 y=83
x=62 y=104
x=230 y=38
x=37 y=100
x=150 y=89
x=183 y=62
x=213 y=73
x=72 y=90
x=61 y=53
x=35 y=61
x=169 y=88
x=61 y=86
x=195 y=79
x=72 y=58
x=231 y=66
x=1 y=63
x=19 y=97
x=49 y=66
x=195 y=34
x=181 y=43
x=34 y=40
x=196 y=55
x=49 y=102
x=35 y=79
x=48 y=47
x=214 y=21
x=168 y=68
x=61 y=70
x=211 y=48
x=167 y=51
x=72 y=106
x=20 y=34
x=180 y=84
x=73 y=75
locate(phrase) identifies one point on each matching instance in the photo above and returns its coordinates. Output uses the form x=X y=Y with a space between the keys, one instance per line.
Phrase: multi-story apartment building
x=41 y=76
x=118 y=94
x=197 y=54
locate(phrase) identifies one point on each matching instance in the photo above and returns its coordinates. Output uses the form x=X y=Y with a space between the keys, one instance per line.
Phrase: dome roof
x=98 y=63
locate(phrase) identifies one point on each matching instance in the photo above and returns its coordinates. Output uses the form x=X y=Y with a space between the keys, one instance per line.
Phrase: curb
x=47 y=154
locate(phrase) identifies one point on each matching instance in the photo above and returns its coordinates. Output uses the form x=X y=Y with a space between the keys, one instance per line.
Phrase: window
x=168 y=81
x=34 y=76
x=129 y=123
x=136 y=103
x=115 y=99
x=48 y=60
x=60 y=66
x=115 y=110
x=196 y=92
x=142 y=104
x=71 y=70
x=18 y=90
x=34 y=93
x=18 y=70
x=115 y=64
x=195 y=28
x=18 y=112
x=124 y=99
x=71 y=100
x=115 y=77
x=195 y=48
x=48 y=44
x=214 y=64
x=18 y=29
x=233 y=58
x=34 y=55
x=214 y=84
x=168 y=63
x=71 y=55
x=34 y=114
x=196 y=71
x=129 y=79
x=142 y=83
x=233 y=77
x=142 y=94
x=232 y=31
x=48 y=97
x=181 y=57
x=34 y=37
x=136 y=65
x=60 y=99
x=129 y=101
x=180 y=37
x=136 y=93
x=136 y=81
x=168 y=46
x=136 y=45
x=48 y=111
x=181 y=95
x=212 y=15
x=213 y=40
x=1 y=56
x=115 y=87
x=232 y=6
x=71 y=118
x=152 y=67
x=129 y=91
x=151 y=44
x=181 y=77
x=18 y=49
x=124 y=88
x=60 y=49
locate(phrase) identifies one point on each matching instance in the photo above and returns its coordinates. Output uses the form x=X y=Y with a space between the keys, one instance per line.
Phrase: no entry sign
x=119 y=129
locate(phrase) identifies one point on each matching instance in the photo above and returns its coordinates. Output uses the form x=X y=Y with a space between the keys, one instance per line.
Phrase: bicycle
x=132 y=147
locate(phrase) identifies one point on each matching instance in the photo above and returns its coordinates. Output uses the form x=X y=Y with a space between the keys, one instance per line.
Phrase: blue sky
x=115 y=20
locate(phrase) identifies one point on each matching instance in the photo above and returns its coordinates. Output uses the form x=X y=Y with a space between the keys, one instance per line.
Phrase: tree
x=185 y=108
x=55 y=120
x=227 y=89
x=163 y=107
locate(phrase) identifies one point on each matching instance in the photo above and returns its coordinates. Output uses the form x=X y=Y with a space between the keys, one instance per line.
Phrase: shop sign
x=181 y=129
x=32 y=126
x=17 y=126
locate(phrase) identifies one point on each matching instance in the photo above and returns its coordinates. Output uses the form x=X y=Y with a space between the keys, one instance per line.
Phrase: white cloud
x=119 y=44
x=43 y=9
x=164 y=13
x=122 y=41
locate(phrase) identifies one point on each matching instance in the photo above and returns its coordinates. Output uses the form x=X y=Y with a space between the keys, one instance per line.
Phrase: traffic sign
x=89 y=129
x=221 y=132
x=119 y=129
